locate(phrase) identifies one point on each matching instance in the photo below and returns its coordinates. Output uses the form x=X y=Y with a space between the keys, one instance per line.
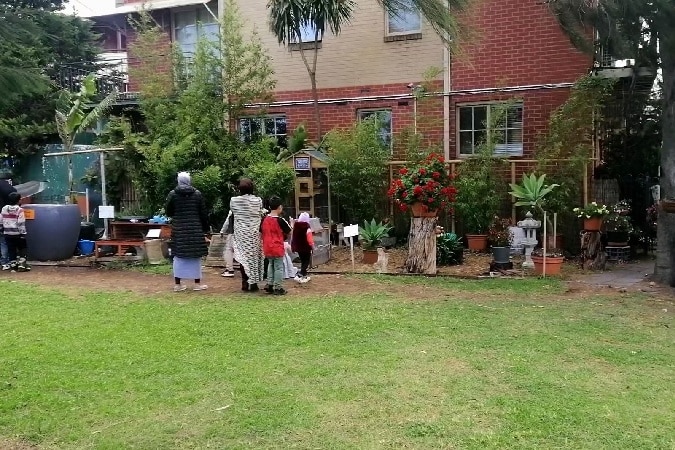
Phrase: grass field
x=468 y=365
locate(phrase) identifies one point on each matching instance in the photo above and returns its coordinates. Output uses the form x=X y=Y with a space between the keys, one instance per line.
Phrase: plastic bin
x=85 y=247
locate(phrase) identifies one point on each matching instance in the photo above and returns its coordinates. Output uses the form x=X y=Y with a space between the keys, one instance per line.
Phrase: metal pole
x=104 y=199
x=86 y=199
x=330 y=215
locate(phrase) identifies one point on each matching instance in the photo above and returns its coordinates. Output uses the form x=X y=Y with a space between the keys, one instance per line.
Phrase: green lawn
x=503 y=364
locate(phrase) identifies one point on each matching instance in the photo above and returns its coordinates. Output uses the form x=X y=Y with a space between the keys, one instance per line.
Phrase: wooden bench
x=122 y=246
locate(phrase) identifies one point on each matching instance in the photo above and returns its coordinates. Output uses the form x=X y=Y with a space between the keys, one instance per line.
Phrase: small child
x=274 y=230
x=13 y=227
x=227 y=231
x=303 y=243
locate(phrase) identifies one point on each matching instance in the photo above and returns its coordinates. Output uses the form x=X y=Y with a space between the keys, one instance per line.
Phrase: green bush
x=272 y=178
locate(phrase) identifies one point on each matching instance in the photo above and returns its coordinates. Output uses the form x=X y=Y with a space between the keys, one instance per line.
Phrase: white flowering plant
x=591 y=210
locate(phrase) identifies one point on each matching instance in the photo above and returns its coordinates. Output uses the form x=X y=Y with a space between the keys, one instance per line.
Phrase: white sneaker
x=200 y=287
x=227 y=274
x=298 y=279
x=305 y=279
x=179 y=288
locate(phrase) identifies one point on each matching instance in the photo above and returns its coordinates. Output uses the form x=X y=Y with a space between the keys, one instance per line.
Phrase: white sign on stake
x=106 y=212
x=350 y=232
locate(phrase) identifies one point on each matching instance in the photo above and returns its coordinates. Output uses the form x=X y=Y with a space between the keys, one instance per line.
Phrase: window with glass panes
x=405 y=19
x=192 y=24
x=253 y=128
x=503 y=122
x=384 y=120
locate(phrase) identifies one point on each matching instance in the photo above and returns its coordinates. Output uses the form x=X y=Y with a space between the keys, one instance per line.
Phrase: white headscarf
x=184 y=179
x=304 y=217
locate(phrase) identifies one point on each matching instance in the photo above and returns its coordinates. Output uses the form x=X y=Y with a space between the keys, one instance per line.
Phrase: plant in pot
x=370 y=237
x=478 y=197
x=551 y=265
x=593 y=215
x=449 y=250
x=500 y=238
x=618 y=224
x=424 y=189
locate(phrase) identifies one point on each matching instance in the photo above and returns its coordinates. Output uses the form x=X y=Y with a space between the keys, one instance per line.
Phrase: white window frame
x=261 y=127
x=361 y=112
x=197 y=9
x=505 y=150
x=389 y=15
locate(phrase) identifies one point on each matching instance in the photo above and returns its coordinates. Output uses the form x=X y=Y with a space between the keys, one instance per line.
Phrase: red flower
x=417 y=190
x=436 y=175
x=431 y=200
x=403 y=171
x=404 y=194
x=403 y=207
x=423 y=171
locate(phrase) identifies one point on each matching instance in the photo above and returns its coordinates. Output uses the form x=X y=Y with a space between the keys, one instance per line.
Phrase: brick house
x=516 y=51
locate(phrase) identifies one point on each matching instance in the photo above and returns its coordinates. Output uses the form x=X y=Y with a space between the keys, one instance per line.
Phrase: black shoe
x=269 y=289
x=280 y=291
x=253 y=288
x=244 y=286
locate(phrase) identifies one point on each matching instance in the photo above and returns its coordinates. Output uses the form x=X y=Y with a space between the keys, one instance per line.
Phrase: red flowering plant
x=427 y=183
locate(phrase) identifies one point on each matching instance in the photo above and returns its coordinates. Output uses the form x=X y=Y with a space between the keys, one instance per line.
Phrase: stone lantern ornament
x=530 y=227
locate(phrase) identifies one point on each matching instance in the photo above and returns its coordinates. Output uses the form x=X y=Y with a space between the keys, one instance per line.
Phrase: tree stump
x=422 y=246
x=593 y=256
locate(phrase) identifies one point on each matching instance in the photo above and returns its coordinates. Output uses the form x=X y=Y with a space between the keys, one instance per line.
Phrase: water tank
x=52 y=231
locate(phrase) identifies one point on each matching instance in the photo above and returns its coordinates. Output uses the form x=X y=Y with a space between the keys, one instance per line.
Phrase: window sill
x=403 y=37
x=305 y=46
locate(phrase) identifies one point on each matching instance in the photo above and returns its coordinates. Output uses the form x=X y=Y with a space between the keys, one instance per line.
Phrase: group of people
x=255 y=236
x=12 y=230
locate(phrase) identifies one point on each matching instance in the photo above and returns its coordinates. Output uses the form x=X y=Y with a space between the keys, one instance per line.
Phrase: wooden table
x=136 y=231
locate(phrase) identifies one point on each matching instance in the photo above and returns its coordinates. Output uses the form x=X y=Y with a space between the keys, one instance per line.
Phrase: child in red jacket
x=274 y=230
x=302 y=243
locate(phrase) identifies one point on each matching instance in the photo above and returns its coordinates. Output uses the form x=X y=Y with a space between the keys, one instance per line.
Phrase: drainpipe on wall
x=446 y=107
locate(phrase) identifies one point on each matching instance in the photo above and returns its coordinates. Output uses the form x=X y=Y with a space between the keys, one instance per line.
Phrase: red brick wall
x=344 y=113
x=515 y=43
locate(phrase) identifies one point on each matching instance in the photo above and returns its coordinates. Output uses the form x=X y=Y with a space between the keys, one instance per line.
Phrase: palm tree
x=289 y=17
x=72 y=118
x=644 y=30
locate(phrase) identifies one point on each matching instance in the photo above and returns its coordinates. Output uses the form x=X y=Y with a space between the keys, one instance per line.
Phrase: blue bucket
x=85 y=247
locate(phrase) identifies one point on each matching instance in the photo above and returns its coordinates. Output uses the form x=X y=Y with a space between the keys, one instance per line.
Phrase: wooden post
x=585 y=184
x=422 y=246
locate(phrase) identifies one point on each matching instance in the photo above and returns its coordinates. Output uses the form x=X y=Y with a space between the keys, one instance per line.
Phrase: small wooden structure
x=311 y=193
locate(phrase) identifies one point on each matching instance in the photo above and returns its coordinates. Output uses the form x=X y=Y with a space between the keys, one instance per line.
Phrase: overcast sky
x=88 y=7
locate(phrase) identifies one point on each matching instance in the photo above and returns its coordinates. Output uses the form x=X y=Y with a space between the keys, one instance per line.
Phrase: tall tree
x=36 y=45
x=288 y=18
x=644 y=30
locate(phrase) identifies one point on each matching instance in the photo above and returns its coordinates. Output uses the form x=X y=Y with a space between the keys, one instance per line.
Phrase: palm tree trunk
x=317 y=112
x=664 y=271
x=422 y=246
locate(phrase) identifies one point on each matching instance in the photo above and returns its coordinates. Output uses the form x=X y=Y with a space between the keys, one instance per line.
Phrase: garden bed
x=475 y=264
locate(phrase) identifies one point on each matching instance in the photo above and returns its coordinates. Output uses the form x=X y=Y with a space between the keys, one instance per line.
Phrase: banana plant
x=73 y=116
x=532 y=191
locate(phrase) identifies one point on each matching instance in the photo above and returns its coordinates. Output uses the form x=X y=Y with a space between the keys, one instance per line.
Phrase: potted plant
x=370 y=237
x=554 y=259
x=479 y=196
x=449 y=250
x=593 y=215
x=618 y=224
x=424 y=189
x=500 y=238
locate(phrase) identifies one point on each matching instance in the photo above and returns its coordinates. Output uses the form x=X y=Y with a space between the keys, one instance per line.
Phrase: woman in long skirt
x=185 y=205
x=247 y=210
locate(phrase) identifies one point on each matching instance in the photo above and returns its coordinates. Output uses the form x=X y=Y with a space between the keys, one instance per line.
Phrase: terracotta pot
x=477 y=242
x=593 y=224
x=553 y=264
x=369 y=257
x=419 y=211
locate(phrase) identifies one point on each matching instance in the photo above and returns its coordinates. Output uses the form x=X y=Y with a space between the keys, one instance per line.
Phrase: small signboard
x=106 y=212
x=315 y=224
x=351 y=230
x=302 y=163
x=153 y=233
x=29 y=214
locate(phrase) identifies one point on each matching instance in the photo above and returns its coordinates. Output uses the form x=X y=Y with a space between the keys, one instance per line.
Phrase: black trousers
x=305 y=258
x=16 y=247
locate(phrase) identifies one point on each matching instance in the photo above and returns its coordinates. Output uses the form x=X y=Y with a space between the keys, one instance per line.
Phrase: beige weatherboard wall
x=359 y=56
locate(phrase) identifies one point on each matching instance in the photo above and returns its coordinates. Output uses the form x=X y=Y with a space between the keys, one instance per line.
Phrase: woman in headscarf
x=247 y=210
x=302 y=243
x=186 y=206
